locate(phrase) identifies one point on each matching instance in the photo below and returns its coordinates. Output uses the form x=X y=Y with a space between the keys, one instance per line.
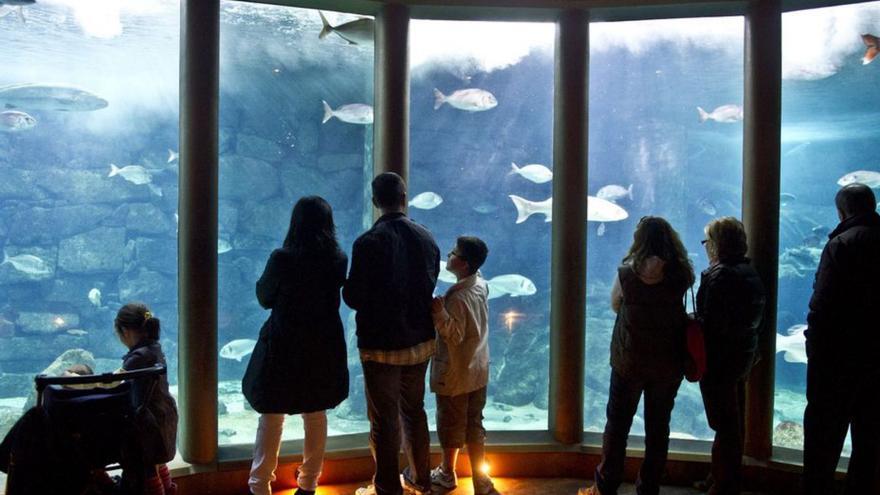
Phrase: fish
x=821 y=230
x=601 y=230
x=58 y=97
x=793 y=345
x=77 y=332
x=787 y=198
x=353 y=113
x=135 y=174
x=237 y=349
x=534 y=172
x=598 y=209
x=615 y=193
x=707 y=206
x=223 y=246
x=445 y=275
x=469 y=100
x=872 y=44
x=866 y=177
x=27 y=263
x=512 y=284
x=484 y=208
x=15 y=121
x=725 y=114
x=357 y=32
x=172 y=155
x=95 y=297
x=426 y=201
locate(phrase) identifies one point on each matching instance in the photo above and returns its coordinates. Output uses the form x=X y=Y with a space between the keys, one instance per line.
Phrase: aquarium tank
x=89 y=177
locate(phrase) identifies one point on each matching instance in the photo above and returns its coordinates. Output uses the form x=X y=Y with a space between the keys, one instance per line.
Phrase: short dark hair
x=855 y=199
x=389 y=190
x=473 y=250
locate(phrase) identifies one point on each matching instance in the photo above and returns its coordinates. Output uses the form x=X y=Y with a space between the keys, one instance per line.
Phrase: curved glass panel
x=88 y=184
x=274 y=149
x=463 y=145
x=654 y=152
x=828 y=131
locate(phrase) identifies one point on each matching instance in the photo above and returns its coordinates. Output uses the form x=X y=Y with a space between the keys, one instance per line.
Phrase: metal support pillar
x=391 y=90
x=197 y=240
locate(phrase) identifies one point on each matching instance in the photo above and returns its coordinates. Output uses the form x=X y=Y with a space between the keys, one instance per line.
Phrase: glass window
x=88 y=184
x=287 y=130
x=481 y=139
x=665 y=140
x=827 y=133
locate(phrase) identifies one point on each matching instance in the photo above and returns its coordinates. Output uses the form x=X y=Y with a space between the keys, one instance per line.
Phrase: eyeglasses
x=704 y=241
x=454 y=253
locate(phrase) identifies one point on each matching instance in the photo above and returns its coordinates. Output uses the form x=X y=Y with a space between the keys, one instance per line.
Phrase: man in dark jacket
x=394 y=268
x=843 y=349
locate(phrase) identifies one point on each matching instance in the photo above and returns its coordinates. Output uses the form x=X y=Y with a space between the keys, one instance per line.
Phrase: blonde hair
x=727 y=238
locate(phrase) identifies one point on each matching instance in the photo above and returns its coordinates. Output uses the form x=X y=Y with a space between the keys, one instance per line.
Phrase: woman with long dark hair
x=647 y=352
x=299 y=364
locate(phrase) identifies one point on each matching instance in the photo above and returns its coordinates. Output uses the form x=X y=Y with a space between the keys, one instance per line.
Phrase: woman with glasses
x=730 y=305
x=647 y=352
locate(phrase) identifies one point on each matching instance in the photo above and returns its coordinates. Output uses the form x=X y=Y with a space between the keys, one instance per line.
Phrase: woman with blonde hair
x=647 y=352
x=730 y=305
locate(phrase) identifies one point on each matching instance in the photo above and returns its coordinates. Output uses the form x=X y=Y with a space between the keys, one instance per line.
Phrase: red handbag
x=695 y=342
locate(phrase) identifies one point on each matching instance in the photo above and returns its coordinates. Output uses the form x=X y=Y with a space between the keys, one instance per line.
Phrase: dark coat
x=843 y=322
x=648 y=338
x=394 y=268
x=299 y=364
x=157 y=420
x=730 y=305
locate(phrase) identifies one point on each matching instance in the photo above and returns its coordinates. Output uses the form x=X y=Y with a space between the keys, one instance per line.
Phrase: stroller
x=65 y=444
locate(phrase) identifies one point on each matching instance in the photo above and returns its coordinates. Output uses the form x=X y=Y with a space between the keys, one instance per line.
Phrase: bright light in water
x=510 y=318
x=485 y=468
x=58 y=321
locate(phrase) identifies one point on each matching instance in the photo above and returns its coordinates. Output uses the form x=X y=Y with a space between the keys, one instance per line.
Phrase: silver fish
x=598 y=209
x=356 y=32
x=27 y=263
x=95 y=297
x=793 y=345
x=614 y=193
x=57 y=97
x=237 y=349
x=135 y=174
x=512 y=284
x=223 y=246
x=15 y=121
x=869 y=178
x=172 y=155
x=469 y=100
x=353 y=113
x=726 y=114
x=426 y=201
x=534 y=172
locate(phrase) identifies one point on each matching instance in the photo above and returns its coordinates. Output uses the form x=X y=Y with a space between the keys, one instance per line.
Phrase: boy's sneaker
x=483 y=486
x=410 y=486
x=440 y=477
x=366 y=490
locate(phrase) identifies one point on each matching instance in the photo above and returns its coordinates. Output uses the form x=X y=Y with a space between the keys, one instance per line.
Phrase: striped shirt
x=409 y=356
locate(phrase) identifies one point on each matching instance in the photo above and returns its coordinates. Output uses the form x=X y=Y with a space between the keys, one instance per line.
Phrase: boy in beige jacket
x=460 y=367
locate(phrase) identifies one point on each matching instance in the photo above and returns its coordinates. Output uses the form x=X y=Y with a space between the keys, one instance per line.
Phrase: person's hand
x=437 y=304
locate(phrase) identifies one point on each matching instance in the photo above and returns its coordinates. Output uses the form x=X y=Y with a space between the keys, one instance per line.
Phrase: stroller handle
x=42 y=381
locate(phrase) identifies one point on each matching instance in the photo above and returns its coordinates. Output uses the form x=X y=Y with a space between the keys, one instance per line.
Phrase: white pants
x=268 y=444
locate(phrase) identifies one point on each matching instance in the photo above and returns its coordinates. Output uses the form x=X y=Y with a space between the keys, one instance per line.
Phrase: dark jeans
x=396 y=398
x=724 y=401
x=623 y=400
x=836 y=401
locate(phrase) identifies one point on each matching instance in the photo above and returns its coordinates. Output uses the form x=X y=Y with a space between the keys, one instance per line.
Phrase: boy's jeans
x=268 y=444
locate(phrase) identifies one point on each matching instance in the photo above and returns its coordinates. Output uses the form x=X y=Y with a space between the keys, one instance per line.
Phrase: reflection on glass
x=826 y=135
x=295 y=115
x=481 y=127
x=88 y=191
x=665 y=139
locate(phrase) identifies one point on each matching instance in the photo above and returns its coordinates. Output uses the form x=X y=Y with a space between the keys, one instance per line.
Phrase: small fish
x=353 y=113
x=598 y=209
x=27 y=263
x=484 y=208
x=237 y=349
x=872 y=44
x=534 y=172
x=469 y=100
x=15 y=121
x=445 y=275
x=615 y=193
x=526 y=208
x=135 y=174
x=95 y=297
x=172 y=155
x=426 y=201
x=357 y=32
x=512 y=284
x=223 y=246
x=787 y=198
x=77 y=332
x=725 y=114
x=866 y=177
x=793 y=345
x=601 y=230
x=707 y=206
x=57 y=97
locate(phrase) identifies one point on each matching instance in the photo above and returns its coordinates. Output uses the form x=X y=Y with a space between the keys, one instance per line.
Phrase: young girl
x=156 y=432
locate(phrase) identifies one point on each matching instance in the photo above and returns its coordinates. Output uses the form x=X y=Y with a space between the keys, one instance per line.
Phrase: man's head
x=471 y=251
x=853 y=200
x=389 y=192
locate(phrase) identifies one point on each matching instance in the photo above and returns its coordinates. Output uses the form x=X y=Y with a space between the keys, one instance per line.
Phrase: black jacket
x=157 y=421
x=299 y=364
x=730 y=305
x=394 y=268
x=844 y=318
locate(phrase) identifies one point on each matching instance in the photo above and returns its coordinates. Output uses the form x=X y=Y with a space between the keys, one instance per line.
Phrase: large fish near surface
x=354 y=113
x=598 y=209
x=793 y=345
x=356 y=32
x=512 y=284
x=469 y=100
x=58 y=97
x=725 y=114
x=15 y=121
x=866 y=177
x=872 y=44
